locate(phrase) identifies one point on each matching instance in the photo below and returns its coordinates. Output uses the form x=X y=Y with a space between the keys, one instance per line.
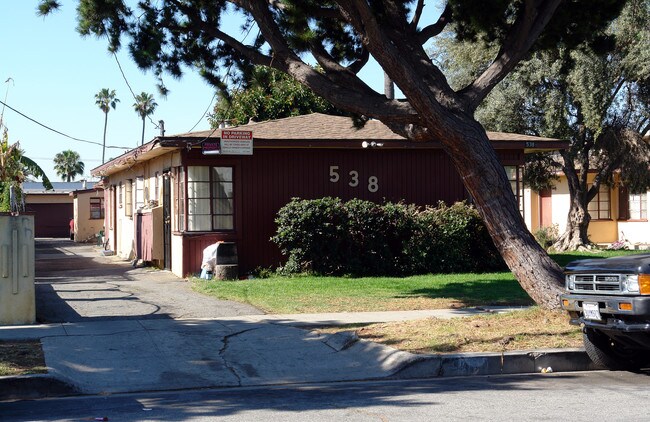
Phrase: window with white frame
x=156 y=186
x=599 y=207
x=96 y=208
x=179 y=197
x=120 y=193
x=128 y=197
x=210 y=196
x=139 y=192
x=638 y=206
x=222 y=199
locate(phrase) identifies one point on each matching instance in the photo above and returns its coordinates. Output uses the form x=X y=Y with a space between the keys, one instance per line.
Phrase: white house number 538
x=353 y=179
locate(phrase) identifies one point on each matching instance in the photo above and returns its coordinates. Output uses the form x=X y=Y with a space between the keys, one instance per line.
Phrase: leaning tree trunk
x=575 y=236
x=485 y=179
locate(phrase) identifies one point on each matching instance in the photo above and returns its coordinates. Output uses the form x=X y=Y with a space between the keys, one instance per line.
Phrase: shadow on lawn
x=475 y=293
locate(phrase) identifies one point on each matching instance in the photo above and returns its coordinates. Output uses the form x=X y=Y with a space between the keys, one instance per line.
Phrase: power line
x=205 y=112
x=119 y=65
x=56 y=131
x=190 y=144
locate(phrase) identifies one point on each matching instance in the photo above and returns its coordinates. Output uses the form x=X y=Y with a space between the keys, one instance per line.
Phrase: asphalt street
x=598 y=395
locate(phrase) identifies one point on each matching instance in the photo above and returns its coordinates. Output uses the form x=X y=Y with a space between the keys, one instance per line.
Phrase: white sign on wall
x=236 y=142
x=232 y=142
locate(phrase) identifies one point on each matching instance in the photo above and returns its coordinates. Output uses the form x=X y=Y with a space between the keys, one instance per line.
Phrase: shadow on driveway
x=74 y=283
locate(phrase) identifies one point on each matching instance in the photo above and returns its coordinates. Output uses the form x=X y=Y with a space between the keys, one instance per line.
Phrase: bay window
x=210 y=196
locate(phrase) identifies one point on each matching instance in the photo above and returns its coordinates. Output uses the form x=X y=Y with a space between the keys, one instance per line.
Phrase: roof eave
x=129 y=159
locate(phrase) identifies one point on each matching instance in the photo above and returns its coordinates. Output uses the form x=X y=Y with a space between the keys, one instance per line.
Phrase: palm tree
x=68 y=165
x=145 y=106
x=14 y=169
x=106 y=99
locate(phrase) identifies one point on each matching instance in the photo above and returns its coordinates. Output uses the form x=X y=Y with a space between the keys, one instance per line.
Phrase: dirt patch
x=21 y=358
x=520 y=330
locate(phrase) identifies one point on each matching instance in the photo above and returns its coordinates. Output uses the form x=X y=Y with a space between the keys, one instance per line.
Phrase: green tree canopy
x=268 y=94
x=594 y=95
x=166 y=35
x=68 y=165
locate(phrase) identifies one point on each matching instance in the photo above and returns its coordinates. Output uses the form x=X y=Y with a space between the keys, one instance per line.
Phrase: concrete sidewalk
x=165 y=354
x=115 y=328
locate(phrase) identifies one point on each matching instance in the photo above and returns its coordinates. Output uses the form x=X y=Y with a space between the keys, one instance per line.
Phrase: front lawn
x=337 y=294
x=306 y=294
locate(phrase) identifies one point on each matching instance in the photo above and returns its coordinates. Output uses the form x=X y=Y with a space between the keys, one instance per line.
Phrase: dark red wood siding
x=51 y=220
x=268 y=180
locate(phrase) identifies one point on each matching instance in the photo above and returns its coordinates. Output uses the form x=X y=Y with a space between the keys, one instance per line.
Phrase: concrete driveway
x=74 y=283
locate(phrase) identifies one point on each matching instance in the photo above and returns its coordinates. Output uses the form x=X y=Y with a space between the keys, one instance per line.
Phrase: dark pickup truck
x=610 y=299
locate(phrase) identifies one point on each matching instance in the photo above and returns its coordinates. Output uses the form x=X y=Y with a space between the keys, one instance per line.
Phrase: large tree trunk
x=575 y=236
x=447 y=117
x=485 y=179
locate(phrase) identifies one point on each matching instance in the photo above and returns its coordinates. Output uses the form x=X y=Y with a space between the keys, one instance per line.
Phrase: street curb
x=20 y=387
x=423 y=366
x=472 y=364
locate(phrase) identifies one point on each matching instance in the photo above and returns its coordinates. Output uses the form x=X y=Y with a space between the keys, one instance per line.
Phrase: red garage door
x=51 y=220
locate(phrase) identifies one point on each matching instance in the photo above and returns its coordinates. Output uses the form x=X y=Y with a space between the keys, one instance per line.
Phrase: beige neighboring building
x=88 y=213
x=616 y=214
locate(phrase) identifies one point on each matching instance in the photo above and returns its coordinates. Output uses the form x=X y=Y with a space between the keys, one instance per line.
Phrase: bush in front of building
x=312 y=235
x=453 y=239
x=361 y=238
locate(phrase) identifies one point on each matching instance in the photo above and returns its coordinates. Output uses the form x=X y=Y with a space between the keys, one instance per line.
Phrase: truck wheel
x=607 y=353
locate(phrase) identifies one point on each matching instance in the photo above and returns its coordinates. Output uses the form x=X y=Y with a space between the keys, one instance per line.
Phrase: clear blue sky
x=55 y=74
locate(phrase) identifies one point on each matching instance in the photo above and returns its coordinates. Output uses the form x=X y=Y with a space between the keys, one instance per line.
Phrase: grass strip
x=21 y=358
x=529 y=329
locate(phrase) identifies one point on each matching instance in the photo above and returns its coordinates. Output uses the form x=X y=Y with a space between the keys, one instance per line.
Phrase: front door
x=545 y=210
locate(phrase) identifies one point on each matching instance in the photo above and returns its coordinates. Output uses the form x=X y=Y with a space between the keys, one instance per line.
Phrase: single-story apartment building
x=169 y=199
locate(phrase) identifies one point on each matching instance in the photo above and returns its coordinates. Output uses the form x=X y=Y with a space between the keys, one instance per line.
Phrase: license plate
x=591 y=310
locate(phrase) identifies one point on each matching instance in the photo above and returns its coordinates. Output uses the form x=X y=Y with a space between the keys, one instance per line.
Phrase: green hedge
x=361 y=238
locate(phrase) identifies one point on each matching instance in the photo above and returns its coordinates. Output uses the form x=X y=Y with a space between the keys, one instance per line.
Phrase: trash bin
x=220 y=261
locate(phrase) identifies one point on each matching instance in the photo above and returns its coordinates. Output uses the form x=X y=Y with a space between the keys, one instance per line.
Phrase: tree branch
x=432 y=30
x=532 y=19
x=349 y=93
x=417 y=14
x=195 y=18
x=356 y=66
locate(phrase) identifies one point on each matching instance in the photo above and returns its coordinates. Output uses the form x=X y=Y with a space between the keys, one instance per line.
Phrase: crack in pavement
x=226 y=339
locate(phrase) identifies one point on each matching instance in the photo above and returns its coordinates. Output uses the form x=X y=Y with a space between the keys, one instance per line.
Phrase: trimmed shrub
x=453 y=239
x=313 y=235
x=362 y=238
